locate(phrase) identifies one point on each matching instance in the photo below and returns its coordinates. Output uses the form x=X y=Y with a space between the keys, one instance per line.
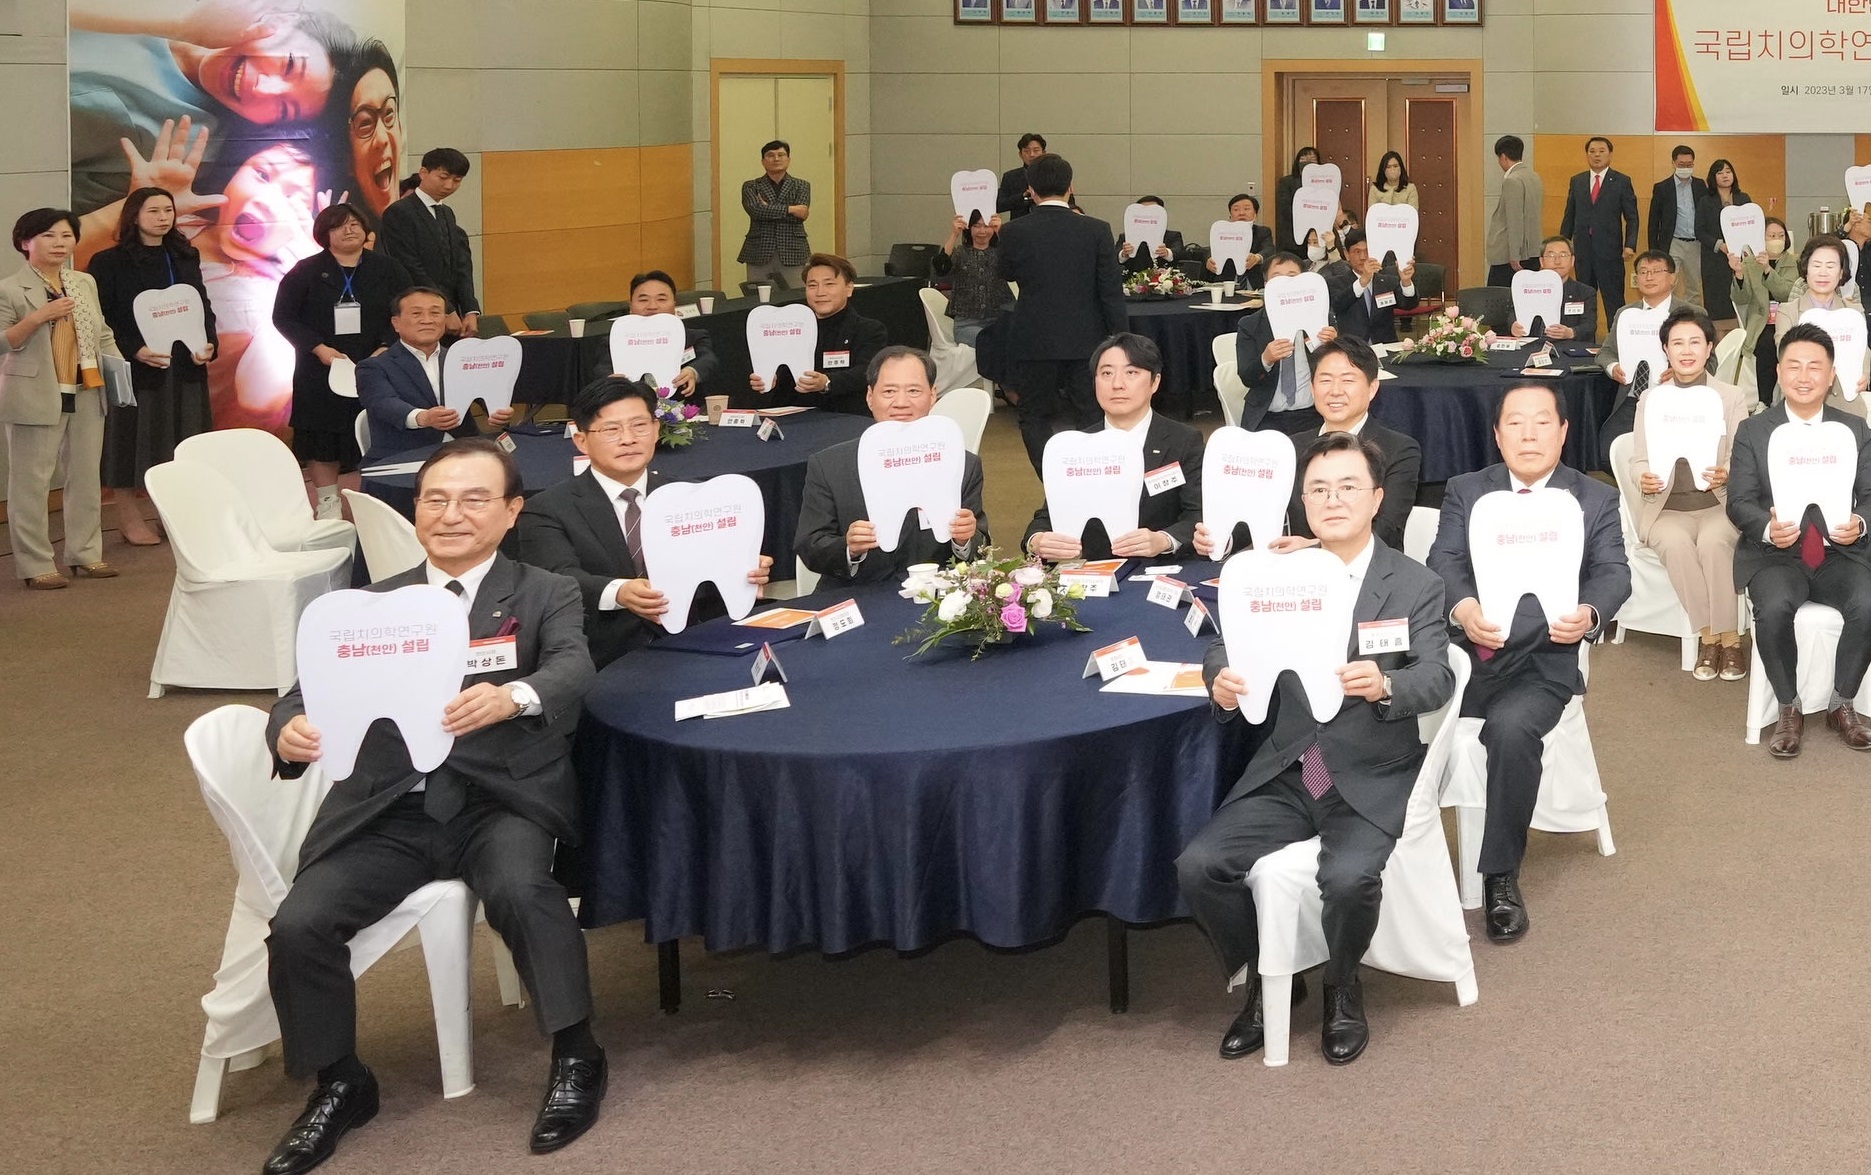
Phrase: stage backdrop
x=1748 y=66
x=300 y=107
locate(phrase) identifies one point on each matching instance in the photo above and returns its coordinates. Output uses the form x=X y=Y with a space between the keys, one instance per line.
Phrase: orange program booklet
x=778 y=618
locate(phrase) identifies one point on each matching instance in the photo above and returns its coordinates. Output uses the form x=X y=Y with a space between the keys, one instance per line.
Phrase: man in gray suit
x=1348 y=781
x=491 y=814
x=1514 y=225
x=837 y=536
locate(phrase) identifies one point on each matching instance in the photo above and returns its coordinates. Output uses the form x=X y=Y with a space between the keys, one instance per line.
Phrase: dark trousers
x=1212 y=871
x=1766 y=366
x=1503 y=274
x=1606 y=275
x=1517 y=712
x=503 y=857
x=1302 y=424
x=1623 y=420
x=1779 y=589
x=1051 y=388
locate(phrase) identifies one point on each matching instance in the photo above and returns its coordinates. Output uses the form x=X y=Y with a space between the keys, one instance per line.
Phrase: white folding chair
x=1816 y=631
x=233 y=618
x=267 y=475
x=955 y=362
x=1222 y=347
x=1230 y=390
x=1726 y=366
x=361 y=426
x=1420 y=931
x=970 y=408
x=386 y=539
x=1571 y=798
x=264 y=820
x=1419 y=532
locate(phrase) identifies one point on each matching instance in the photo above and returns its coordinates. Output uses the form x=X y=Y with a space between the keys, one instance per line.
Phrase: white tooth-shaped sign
x=399 y=655
x=648 y=346
x=1231 y=240
x=1850 y=285
x=170 y=316
x=1392 y=228
x=703 y=531
x=1858 y=186
x=342 y=377
x=1812 y=465
x=1685 y=424
x=1325 y=177
x=1091 y=475
x=1314 y=210
x=1288 y=612
x=1744 y=229
x=1538 y=293
x=480 y=369
x=1247 y=477
x=1638 y=342
x=909 y=464
x=973 y=192
x=1144 y=226
x=1298 y=303
x=782 y=336
x=1526 y=544
x=1847 y=328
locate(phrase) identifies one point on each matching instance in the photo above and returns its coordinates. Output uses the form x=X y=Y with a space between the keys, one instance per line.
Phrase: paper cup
x=1214 y=295
x=766 y=293
x=922 y=570
x=716 y=406
x=578 y=328
x=707 y=304
x=1227 y=289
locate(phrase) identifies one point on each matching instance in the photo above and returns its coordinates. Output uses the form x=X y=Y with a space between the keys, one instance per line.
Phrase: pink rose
x=1468 y=352
x=1013 y=618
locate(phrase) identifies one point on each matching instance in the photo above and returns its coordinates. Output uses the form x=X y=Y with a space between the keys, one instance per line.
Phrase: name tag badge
x=1376 y=637
x=494 y=654
x=1573 y=309
x=836 y=360
x=347 y=318
x=688 y=354
x=1386 y=301
x=1773 y=312
x=923 y=520
x=1166 y=477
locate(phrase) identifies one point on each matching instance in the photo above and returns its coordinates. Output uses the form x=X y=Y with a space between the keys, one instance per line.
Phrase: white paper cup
x=578 y=328
x=1227 y=289
x=765 y=292
x=707 y=304
x=922 y=570
x=1214 y=295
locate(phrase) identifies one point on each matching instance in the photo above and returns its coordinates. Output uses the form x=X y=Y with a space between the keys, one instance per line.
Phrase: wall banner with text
x=1741 y=66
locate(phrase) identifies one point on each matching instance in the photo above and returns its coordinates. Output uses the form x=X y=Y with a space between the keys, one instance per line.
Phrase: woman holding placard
x=977 y=294
x=1392 y=185
x=1687 y=527
x=1724 y=192
x=1762 y=282
x=1283 y=200
x=171 y=387
x=1825 y=266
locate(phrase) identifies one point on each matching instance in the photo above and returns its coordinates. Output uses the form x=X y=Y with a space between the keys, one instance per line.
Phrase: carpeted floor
x=1687 y=1005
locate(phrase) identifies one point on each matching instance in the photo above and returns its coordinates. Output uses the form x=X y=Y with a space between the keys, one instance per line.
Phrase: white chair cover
x=233 y=617
x=1222 y=347
x=361 y=426
x=267 y=475
x=1816 y=630
x=1728 y=361
x=955 y=362
x=1419 y=532
x=970 y=408
x=386 y=539
x=1230 y=391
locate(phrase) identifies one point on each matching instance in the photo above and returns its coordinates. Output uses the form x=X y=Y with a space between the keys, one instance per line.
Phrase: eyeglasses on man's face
x=1343 y=492
x=612 y=433
x=468 y=503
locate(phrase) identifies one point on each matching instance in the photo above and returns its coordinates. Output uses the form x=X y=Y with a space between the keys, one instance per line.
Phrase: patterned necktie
x=1313 y=774
x=444 y=796
x=1812 y=547
x=633 y=525
x=1295 y=378
x=1640 y=379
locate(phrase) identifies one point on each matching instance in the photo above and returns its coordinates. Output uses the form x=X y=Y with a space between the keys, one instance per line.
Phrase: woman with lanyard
x=333 y=305
x=52 y=399
x=171 y=386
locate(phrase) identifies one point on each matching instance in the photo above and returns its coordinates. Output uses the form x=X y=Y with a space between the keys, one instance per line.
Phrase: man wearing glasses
x=401 y=388
x=587 y=527
x=1656 y=285
x=491 y=814
x=1348 y=781
x=1578 y=311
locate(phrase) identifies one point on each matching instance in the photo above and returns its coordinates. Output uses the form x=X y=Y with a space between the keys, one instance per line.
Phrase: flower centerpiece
x=1157 y=285
x=1450 y=338
x=677 y=419
x=990 y=601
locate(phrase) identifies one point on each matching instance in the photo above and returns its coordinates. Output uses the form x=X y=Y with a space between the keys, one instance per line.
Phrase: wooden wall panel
x=669 y=245
x=1760 y=163
x=527 y=190
x=553 y=268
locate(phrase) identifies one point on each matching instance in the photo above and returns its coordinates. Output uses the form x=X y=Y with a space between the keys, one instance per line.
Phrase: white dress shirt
x=1139 y=434
x=470 y=580
x=428 y=201
x=431 y=367
x=614 y=490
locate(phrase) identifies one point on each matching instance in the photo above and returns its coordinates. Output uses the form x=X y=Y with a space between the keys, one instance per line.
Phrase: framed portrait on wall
x=1416 y=11
x=1282 y=12
x=1150 y=11
x=1371 y=11
x=974 y=11
x=1062 y=11
x=1195 y=12
x=1461 y=11
x=1107 y=11
x=1018 y=12
x=1325 y=12
x=1237 y=11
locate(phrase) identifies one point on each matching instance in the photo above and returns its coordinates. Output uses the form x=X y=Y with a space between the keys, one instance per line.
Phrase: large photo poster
x=1745 y=66
x=254 y=115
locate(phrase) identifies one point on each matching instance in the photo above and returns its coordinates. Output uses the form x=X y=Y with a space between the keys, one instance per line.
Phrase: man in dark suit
x=848 y=342
x=1525 y=670
x=1128 y=369
x=586 y=527
x=1672 y=230
x=837 y=536
x=1601 y=220
x=421 y=232
x=401 y=389
x=1071 y=296
x=1366 y=296
x=1168 y=253
x=491 y=814
x=1784 y=562
x=655 y=293
x=1245 y=209
x=1013 y=200
x=1278 y=375
x=1578 y=309
x=1347 y=781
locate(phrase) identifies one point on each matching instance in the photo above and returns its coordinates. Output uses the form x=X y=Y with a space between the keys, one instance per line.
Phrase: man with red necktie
x=1601 y=219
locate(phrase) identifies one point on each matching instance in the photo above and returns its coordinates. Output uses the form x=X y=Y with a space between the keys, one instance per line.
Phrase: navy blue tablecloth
x=899 y=801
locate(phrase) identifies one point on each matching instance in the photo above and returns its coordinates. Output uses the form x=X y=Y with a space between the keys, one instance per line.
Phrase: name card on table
x=648 y=347
x=1116 y=659
x=1296 y=304
x=172 y=315
x=739 y=418
x=1314 y=211
x=771 y=696
x=1198 y=617
x=1744 y=229
x=1685 y=424
x=1812 y=465
x=769 y=428
x=1846 y=325
x=1247 y=477
x=973 y=194
x=1093 y=579
x=1091 y=475
x=1287 y=612
x=1168 y=592
x=1144 y=226
x=905 y=465
x=481 y=369
x=1638 y=341
x=782 y=336
x=1858 y=186
x=703 y=531
x=368 y=655
x=840 y=617
x=767 y=666
x=1231 y=240
x=1392 y=228
x=1538 y=294
x=341 y=377
x=1526 y=544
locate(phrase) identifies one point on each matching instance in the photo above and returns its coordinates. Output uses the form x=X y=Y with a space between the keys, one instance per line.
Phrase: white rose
x=952 y=606
x=1002 y=590
x=1039 y=603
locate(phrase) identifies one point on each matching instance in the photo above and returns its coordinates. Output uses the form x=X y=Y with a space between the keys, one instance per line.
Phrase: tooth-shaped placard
x=1298 y=303
x=1683 y=424
x=341 y=377
x=1230 y=240
x=782 y=336
x=1092 y=475
x=1283 y=613
x=169 y=316
x=1850 y=285
x=1526 y=544
x=399 y=655
x=480 y=369
x=1638 y=342
x=1144 y=226
x=1744 y=229
x=973 y=192
x=1392 y=228
x=1538 y=293
x=1812 y=465
x=1247 y=477
x=1858 y=187
x=906 y=464
x=703 y=531
x=648 y=347
x=1323 y=177
x=1314 y=210
x=1847 y=328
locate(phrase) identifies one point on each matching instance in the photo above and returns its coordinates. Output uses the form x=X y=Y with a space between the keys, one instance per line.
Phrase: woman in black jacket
x=1283 y=201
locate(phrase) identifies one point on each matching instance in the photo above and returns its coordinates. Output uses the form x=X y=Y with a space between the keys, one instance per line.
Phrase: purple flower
x=664 y=393
x=690 y=412
x=1013 y=618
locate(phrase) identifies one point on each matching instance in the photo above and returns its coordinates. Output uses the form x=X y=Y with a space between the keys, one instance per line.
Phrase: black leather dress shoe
x=1344 y=1033
x=1249 y=1031
x=331 y=1110
x=574 y=1091
x=1506 y=910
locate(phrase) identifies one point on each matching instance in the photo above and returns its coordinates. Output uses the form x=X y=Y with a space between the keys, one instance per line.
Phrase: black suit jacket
x=1071 y=288
x=1662 y=228
x=1371 y=749
x=1601 y=232
x=1751 y=498
x=1403 y=468
x=1372 y=323
x=1174 y=512
x=834 y=499
x=1283 y=192
x=1012 y=199
x=389 y=387
x=1585 y=323
x=694 y=338
x=1604 y=575
x=1260 y=243
x=1137 y=262
x=1263 y=383
x=848 y=331
x=433 y=248
x=524 y=763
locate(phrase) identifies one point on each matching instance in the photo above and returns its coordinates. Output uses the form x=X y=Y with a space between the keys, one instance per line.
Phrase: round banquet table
x=777 y=466
x=899 y=801
x=1185 y=333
